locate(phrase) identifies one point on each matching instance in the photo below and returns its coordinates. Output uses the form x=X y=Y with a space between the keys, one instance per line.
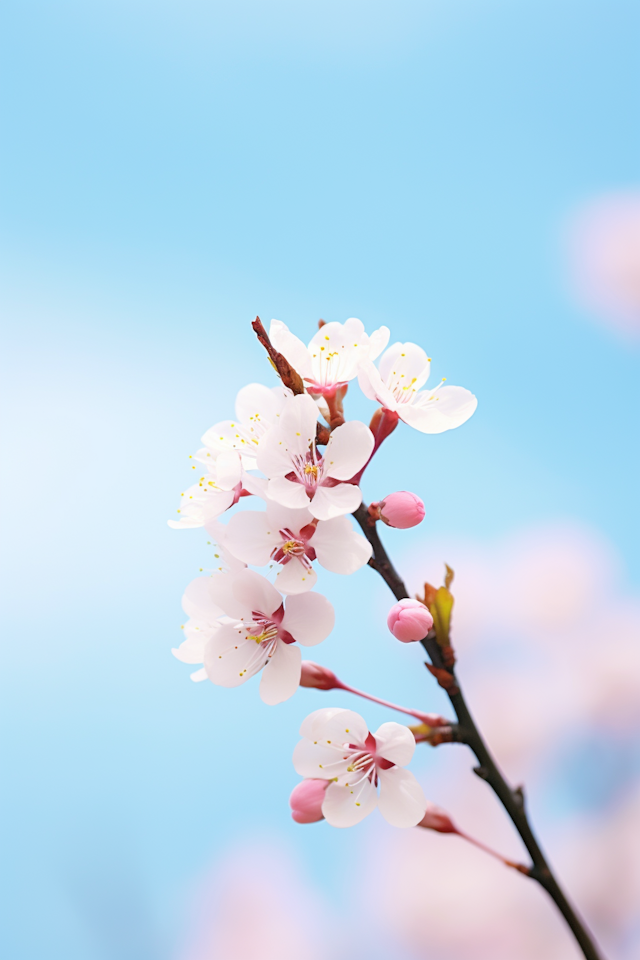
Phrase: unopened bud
x=409 y=620
x=313 y=675
x=402 y=510
x=306 y=801
x=435 y=818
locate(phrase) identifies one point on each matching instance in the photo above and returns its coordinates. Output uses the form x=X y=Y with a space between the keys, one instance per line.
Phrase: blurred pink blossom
x=257 y=905
x=604 y=253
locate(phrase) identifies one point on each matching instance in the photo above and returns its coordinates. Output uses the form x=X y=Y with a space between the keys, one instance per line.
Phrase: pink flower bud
x=435 y=818
x=306 y=801
x=402 y=510
x=409 y=620
x=313 y=675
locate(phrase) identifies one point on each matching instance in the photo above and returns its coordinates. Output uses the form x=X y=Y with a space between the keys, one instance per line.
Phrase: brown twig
x=290 y=377
x=511 y=799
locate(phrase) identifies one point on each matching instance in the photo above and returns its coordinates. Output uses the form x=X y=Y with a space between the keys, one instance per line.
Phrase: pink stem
x=492 y=853
x=423 y=717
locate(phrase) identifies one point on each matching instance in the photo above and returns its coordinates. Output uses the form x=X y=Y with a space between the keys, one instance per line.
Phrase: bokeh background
x=465 y=172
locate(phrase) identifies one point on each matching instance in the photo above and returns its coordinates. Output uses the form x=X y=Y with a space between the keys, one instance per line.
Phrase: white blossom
x=299 y=476
x=334 y=353
x=338 y=747
x=215 y=491
x=403 y=370
x=240 y=625
x=293 y=539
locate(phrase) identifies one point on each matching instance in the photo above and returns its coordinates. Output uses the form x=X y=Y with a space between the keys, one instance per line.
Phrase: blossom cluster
x=240 y=622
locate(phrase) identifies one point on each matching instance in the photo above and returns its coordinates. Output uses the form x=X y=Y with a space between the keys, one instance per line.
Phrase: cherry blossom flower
x=215 y=491
x=292 y=539
x=403 y=370
x=299 y=476
x=257 y=410
x=333 y=355
x=204 y=617
x=243 y=626
x=338 y=747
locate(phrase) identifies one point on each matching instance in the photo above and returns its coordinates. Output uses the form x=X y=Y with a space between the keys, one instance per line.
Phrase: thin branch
x=511 y=799
x=290 y=377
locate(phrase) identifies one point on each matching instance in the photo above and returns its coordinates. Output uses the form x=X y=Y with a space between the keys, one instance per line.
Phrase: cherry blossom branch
x=487 y=769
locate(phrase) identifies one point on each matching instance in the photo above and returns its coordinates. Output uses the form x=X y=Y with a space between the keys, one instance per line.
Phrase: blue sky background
x=170 y=171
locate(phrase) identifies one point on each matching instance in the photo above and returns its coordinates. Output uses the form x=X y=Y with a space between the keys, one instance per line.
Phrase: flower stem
x=487 y=769
x=430 y=719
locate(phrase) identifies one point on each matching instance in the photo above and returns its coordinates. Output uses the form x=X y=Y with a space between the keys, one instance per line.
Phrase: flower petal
x=309 y=617
x=228 y=470
x=308 y=726
x=315 y=760
x=228 y=435
x=338 y=547
x=405 y=367
x=198 y=675
x=402 y=802
x=336 y=351
x=202 y=503
x=436 y=412
x=374 y=387
x=258 y=407
x=288 y=493
x=281 y=676
x=293 y=520
x=348 y=450
x=339 y=727
x=250 y=537
x=290 y=347
x=199 y=600
x=294 y=578
x=330 y=502
x=221 y=593
x=344 y=806
x=378 y=341
x=255 y=592
x=196 y=632
x=395 y=743
x=231 y=656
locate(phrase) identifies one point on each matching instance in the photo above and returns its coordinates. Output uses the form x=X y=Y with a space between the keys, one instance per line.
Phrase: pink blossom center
x=295 y=546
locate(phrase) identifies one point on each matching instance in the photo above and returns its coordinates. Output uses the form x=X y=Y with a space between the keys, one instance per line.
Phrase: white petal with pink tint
x=199 y=599
x=395 y=743
x=446 y=409
x=294 y=578
x=348 y=450
x=318 y=761
x=288 y=493
x=202 y=503
x=281 y=676
x=248 y=537
x=331 y=502
x=255 y=592
x=232 y=656
x=339 y=548
x=402 y=802
x=345 y=805
x=336 y=726
x=309 y=617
